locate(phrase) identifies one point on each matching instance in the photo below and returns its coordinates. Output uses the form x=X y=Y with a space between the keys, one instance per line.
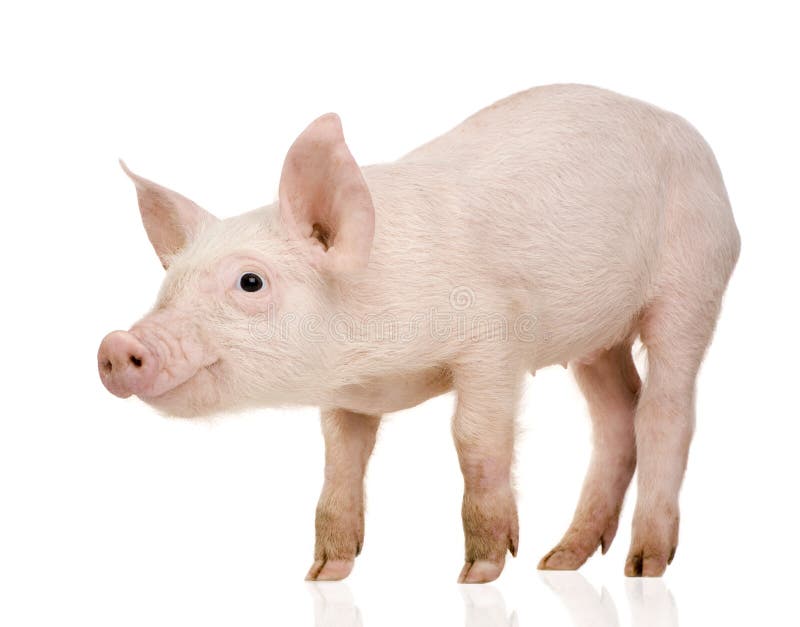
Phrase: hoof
x=561 y=558
x=329 y=570
x=480 y=571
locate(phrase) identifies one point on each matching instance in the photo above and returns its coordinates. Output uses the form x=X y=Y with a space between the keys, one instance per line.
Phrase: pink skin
x=151 y=360
x=126 y=365
x=611 y=385
x=168 y=359
x=317 y=169
x=167 y=348
x=635 y=205
x=349 y=440
x=483 y=431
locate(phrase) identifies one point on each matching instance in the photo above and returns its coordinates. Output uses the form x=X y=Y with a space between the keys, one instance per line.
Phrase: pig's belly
x=582 y=343
x=382 y=395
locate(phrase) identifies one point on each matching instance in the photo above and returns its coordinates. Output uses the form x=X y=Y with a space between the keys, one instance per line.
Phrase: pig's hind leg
x=610 y=383
x=483 y=431
x=349 y=440
x=676 y=329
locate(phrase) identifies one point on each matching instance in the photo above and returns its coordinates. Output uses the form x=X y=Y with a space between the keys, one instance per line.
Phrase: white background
x=110 y=514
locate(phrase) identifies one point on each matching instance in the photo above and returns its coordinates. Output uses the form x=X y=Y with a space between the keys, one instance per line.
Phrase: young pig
x=552 y=227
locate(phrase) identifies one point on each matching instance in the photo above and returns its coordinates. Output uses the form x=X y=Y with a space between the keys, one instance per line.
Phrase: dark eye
x=251 y=282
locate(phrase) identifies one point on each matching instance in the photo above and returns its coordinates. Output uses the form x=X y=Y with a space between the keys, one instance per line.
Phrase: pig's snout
x=126 y=365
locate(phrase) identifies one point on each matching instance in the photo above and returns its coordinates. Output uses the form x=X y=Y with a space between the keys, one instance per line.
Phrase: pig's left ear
x=324 y=199
x=171 y=220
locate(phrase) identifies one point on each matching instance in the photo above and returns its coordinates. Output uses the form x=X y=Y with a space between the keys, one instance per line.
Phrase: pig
x=555 y=226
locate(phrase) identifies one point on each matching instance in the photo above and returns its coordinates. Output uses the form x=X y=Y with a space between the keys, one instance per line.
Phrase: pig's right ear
x=171 y=220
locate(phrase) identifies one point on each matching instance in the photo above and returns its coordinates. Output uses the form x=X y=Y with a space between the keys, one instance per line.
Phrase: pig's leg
x=483 y=430
x=610 y=384
x=349 y=439
x=676 y=331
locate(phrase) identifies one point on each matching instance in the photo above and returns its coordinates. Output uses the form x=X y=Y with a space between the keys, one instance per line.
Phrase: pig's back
x=549 y=202
x=544 y=118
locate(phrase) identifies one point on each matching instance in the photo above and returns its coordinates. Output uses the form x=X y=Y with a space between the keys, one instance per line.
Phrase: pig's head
x=227 y=329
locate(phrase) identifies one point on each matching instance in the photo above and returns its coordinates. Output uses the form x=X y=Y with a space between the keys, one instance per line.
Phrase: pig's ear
x=324 y=199
x=171 y=220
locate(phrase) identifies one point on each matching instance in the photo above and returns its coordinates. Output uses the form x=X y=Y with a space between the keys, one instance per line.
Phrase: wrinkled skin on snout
x=219 y=337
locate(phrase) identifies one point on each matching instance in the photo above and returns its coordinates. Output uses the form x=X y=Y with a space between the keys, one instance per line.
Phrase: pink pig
x=552 y=227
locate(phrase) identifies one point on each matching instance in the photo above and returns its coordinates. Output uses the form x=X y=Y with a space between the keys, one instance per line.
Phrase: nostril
x=125 y=364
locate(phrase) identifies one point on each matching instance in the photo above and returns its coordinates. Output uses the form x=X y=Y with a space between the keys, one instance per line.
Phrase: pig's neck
x=390 y=358
x=378 y=394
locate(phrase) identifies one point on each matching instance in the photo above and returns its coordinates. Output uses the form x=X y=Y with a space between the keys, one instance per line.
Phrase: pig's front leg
x=483 y=430
x=349 y=440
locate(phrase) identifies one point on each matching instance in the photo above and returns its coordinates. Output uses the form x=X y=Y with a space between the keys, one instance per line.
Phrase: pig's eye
x=251 y=282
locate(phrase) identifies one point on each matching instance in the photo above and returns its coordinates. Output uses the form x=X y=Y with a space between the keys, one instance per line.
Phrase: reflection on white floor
x=333 y=605
x=650 y=602
x=585 y=605
x=484 y=606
